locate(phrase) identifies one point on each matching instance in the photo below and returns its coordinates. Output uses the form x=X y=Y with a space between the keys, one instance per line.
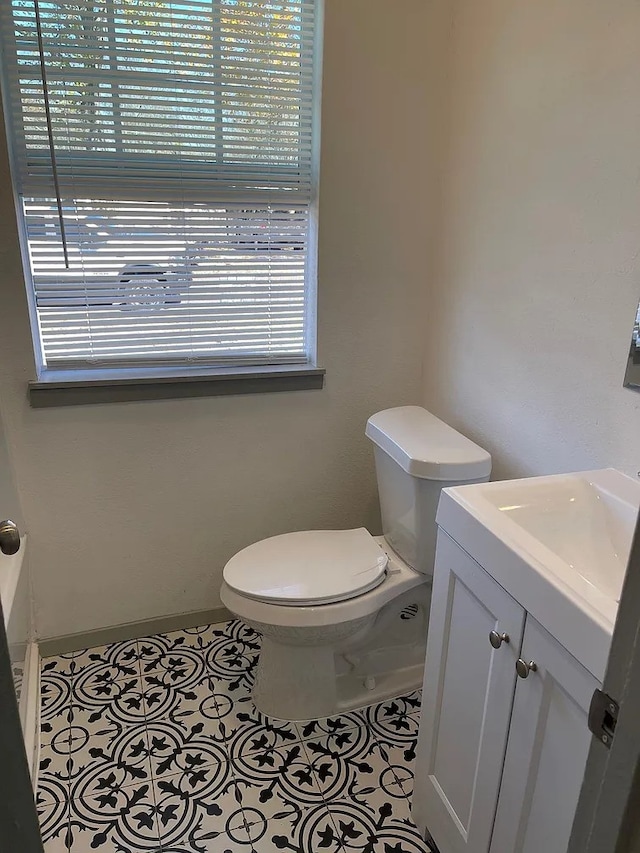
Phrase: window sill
x=119 y=386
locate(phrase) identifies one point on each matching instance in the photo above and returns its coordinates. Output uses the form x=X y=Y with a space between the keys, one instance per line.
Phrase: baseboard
x=131 y=631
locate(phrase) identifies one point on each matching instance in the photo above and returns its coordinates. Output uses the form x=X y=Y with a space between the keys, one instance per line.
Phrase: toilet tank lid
x=426 y=447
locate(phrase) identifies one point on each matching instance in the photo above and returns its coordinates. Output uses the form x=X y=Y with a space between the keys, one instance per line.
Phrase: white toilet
x=344 y=614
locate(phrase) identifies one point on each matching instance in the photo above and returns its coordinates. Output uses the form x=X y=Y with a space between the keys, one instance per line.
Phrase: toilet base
x=295 y=682
x=300 y=683
x=296 y=674
x=354 y=693
x=375 y=659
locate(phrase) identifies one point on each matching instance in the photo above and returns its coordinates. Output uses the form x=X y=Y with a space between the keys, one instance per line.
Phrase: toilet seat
x=308 y=567
x=397 y=579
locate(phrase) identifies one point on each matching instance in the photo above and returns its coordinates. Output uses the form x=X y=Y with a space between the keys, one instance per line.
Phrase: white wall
x=538 y=273
x=9 y=501
x=134 y=508
x=531 y=269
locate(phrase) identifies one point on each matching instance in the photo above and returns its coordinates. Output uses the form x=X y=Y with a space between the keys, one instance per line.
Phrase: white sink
x=563 y=540
x=585 y=520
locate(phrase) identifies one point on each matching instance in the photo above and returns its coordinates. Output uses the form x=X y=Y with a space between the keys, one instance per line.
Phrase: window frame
x=78 y=385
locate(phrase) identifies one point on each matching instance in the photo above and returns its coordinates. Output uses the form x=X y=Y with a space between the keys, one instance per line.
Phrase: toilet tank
x=417 y=455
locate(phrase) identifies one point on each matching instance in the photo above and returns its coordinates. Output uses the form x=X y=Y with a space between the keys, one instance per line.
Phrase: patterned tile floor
x=155 y=745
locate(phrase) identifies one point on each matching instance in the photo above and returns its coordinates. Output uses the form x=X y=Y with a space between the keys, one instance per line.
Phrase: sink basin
x=559 y=544
x=585 y=520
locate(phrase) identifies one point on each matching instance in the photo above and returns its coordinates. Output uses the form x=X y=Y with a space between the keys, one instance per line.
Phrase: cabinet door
x=467 y=699
x=547 y=749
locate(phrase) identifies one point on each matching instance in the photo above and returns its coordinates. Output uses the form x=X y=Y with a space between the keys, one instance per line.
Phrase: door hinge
x=603 y=716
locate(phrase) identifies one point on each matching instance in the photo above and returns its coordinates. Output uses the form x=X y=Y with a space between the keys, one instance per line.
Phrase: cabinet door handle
x=497 y=640
x=523 y=668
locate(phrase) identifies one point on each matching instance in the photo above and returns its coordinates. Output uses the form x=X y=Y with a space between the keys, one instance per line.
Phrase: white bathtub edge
x=30 y=710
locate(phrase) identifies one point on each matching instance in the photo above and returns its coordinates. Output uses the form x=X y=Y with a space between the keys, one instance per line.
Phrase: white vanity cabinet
x=546 y=750
x=500 y=757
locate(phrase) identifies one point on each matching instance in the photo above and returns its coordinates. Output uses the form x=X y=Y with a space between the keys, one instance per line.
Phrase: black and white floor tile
x=17 y=671
x=155 y=745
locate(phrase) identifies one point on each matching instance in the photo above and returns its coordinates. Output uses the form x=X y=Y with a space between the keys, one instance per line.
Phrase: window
x=165 y=160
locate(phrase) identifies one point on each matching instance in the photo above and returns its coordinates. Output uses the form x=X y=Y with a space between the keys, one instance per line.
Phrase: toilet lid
x=309 y=567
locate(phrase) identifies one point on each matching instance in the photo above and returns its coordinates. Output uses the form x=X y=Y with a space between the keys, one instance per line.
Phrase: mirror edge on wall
x=632 y=374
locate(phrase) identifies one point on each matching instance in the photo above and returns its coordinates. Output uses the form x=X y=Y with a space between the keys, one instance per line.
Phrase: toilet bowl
x=344 y=614
x=296 y=677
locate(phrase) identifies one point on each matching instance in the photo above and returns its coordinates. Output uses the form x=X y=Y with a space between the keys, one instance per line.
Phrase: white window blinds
x=164 y=155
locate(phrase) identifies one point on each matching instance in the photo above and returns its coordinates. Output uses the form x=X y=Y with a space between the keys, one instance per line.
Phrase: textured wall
x=537 y=274
x=9 y=502
x=531 y=268
x=134 y=508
